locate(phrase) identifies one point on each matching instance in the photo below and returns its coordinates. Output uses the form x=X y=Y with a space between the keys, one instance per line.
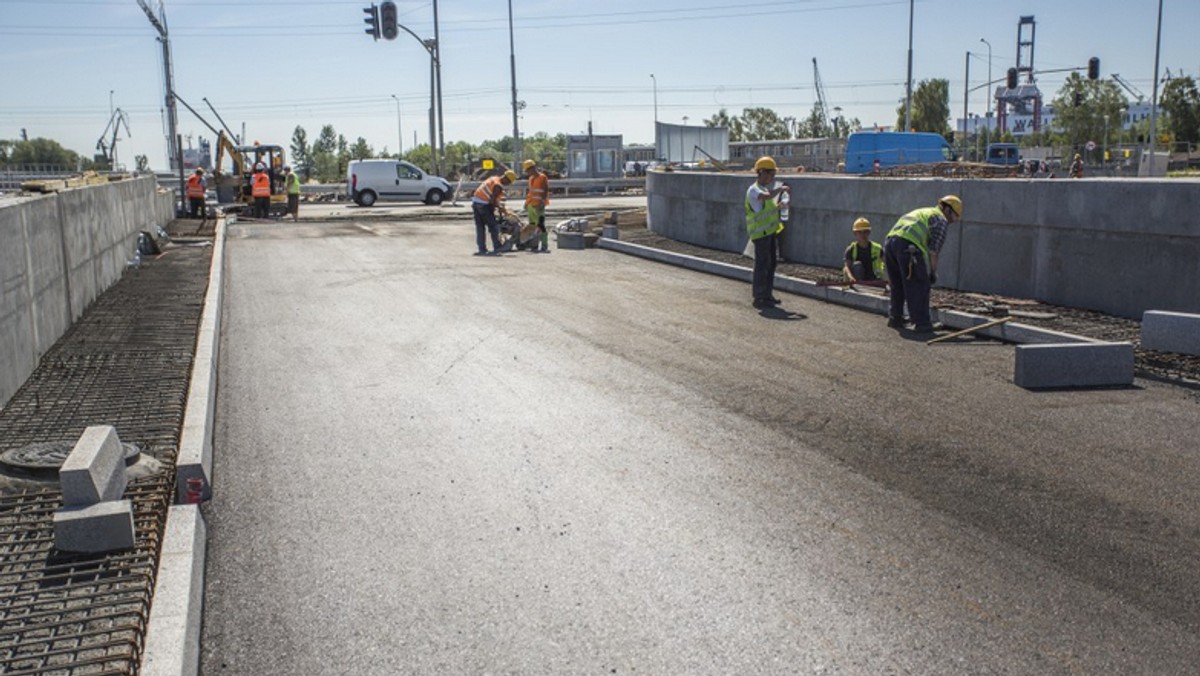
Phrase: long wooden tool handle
x=964 y=332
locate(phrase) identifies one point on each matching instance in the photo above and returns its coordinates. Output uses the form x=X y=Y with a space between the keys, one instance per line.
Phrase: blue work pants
x=485 y=219
x=908 y=277
x=765 y=260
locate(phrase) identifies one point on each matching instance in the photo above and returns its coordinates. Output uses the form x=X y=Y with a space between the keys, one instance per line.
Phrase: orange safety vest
x=490 y=191
x=194 y=187
x=538 y=194
x=261 y=185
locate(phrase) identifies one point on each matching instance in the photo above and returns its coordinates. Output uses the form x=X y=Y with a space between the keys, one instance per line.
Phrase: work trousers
x=908 y=277
x=262 y=207
x=765 y=260
x=537 y=216
x=196 y=207
x=485 y=219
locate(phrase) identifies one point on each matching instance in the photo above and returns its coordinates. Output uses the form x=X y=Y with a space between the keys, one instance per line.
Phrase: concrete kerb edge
x=1011 y=332
x=194 y=460
x=173 y=630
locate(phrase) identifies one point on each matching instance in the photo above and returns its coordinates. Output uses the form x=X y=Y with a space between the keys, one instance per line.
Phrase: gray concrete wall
x=1121 y=246
x=58 y=253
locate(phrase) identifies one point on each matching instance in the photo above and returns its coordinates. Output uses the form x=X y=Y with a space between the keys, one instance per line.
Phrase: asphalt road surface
x=432 y=462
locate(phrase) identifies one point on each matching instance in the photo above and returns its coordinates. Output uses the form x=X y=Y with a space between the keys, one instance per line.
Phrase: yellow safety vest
x=914 y=227
x=764 y=222
x=876 y=257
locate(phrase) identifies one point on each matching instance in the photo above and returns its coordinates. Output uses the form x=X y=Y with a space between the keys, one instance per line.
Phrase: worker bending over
x=537 y=196
x=911 y=256
x=487 y=198
x=864 y=258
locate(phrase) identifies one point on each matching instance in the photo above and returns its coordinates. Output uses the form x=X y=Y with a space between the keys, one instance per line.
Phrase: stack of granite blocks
x=94 y=518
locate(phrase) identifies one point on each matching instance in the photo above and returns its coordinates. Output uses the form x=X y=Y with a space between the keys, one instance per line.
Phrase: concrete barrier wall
x=58 y=253
x=1121 y=246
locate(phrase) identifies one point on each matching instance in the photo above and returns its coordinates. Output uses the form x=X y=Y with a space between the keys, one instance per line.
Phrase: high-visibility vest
x=538 y=194
x=876 y=257
x=195 y=186
x=293 y=184
x=490 y=191
x=261 y=185
x=914 y=227
x=765 y=221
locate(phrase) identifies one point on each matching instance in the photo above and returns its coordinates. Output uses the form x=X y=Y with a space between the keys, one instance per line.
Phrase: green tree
x=1181 y=101
x=42 y=151
x=324 y=155
x=360 y=150
x=737 y=131
x=301 y=153
x=930 y=108
x=1085 y=122
x=763 y=124
x=815 y=125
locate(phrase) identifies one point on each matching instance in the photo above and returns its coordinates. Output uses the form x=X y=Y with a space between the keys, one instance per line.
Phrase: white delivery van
x=370 y=181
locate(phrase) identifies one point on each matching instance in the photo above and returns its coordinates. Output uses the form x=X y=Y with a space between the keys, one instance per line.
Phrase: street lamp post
x=655 y=81
x=399 y=129
x=987 y=108
x=1154 y=96
x=908 y=82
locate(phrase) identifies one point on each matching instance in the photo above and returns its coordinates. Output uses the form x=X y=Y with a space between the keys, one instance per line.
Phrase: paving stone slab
x=1065 y=365
x=1177 y=332
x=94 y=471
x=103 y=527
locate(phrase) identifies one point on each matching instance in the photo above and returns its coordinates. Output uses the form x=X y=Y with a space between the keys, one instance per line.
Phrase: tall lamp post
x=654 y=80
x=512 y=59
x=987 y=108
x=399 y=129
x=908 y=82
x=1154 y=97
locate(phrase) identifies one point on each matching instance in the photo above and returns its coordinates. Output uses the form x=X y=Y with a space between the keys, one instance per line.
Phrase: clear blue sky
x=276 y=64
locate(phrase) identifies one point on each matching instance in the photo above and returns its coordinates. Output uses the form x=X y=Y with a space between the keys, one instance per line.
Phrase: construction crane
x=821 y=102
x=1129 y=88
x=108 y=150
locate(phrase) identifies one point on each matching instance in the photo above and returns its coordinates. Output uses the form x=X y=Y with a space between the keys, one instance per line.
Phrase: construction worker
x=196 y=185
x=910 y=255
x=864 y=258
x=260 y=190
x=763 y=224
x=1077 y=166
x=536 y=199
x=488 y=197
x=292 y=182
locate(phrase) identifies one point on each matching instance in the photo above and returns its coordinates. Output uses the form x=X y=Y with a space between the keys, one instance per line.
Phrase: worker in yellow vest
x=537 y=196
x=488 y=197
x=763 y=225
x=291 y=182
x=260 y=190
x=196 y=185
x=863 y=258
x=910 y=255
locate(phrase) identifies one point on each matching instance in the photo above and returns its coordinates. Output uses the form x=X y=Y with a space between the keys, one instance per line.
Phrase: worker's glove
x=933 y=278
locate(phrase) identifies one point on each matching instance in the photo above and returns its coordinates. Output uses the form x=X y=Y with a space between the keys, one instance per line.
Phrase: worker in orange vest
x=537 y=196
x=488 y=197
x=196 y=185
x=260 y=190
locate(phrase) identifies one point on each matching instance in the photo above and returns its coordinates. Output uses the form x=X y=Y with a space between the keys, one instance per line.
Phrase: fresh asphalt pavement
x=432 y=462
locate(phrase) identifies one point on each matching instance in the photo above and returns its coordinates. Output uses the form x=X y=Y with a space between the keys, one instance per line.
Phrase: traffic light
x=1012 y=78
x=372 y=20
x=1094 y=68
x=1078 y=99
x=387 y=20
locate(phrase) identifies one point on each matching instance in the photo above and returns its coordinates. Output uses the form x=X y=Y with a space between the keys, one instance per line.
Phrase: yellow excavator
x=233 y=183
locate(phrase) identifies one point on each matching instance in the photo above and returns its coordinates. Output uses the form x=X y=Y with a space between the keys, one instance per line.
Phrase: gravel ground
x=1180 y=369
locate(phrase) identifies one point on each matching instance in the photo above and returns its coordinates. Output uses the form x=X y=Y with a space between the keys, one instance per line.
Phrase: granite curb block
x=1073 y=365
x=1177 y=332
x=1009 y=331
x=173 y=631
x=194 y=461
x=94 y=471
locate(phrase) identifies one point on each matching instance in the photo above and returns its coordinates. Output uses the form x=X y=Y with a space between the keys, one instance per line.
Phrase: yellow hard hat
x=765 y=163
x=510 y=175
x=527 y=165
x=954 y=203
x=862 y=224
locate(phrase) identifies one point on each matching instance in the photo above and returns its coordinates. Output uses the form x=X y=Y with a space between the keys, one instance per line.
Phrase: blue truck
x=894 y=148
